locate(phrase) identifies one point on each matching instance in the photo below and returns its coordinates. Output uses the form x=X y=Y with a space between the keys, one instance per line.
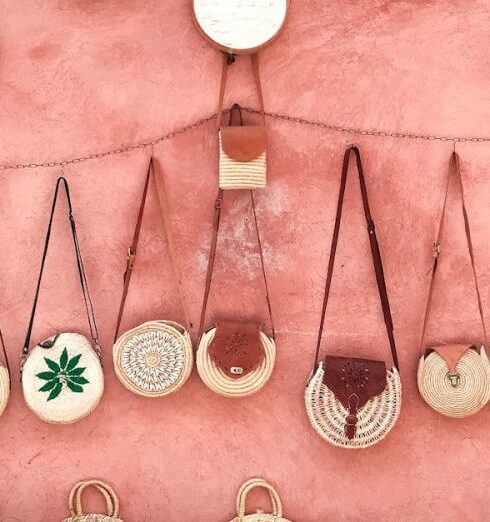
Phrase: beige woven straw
x=241 y=174
x=275 y=516
x=154 y=359
x=4 y=379
x=70 y=386
x=75 y=503
x=374 y=420
x=468 y=395
x=216 y=380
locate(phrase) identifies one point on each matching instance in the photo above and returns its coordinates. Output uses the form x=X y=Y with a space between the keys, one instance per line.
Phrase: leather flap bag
x=454 y=379
x=243 y=142
x=236 y=348
x=353 y=402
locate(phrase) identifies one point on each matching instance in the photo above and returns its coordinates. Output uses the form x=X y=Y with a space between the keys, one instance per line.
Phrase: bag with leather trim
x=5 y=384
x=234 y=358
x=76 y=508
x=62 y=376
x=454 y=379
x=155 y=358
x=242 y=148
x=260 y=516
x=353 y=402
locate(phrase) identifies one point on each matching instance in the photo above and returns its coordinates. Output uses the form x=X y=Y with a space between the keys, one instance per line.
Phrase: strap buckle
x=437 y=249
x=130 y=258
x=218 y=203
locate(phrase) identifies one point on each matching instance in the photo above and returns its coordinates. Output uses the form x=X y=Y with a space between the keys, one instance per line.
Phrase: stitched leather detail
x=244 y=142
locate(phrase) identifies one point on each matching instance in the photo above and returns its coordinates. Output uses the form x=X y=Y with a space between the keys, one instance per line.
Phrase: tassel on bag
x=454 y=379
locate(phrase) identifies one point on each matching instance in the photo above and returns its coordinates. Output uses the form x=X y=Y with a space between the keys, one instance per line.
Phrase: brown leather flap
x=354 y=381
x=452 y=353
x=243 y=142
x=237 y=348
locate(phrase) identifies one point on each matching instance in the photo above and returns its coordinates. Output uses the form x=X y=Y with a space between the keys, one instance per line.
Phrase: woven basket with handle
x=75 y=503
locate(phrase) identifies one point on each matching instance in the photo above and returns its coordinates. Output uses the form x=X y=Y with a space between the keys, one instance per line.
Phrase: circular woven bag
x=154 y=359
x=75 y=503
x=462 y=398
x=275 y=516
x=374 y=420
x=62 y=378
x=216 y=380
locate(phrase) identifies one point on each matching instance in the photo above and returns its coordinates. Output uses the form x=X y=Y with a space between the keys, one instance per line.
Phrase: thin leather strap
x=224 y=76
x=454 y=169
x=212 y=257
x=132 y=250
x=375 y=253
x=80 y=266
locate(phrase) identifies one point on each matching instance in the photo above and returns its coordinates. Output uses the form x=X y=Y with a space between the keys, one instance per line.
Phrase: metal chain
x=285 y=117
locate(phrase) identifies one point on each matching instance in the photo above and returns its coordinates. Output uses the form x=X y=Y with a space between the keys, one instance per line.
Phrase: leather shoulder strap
x=218 y=204
x=81 y=270
x=453 y=170
x=375 y=253
x=132 y=250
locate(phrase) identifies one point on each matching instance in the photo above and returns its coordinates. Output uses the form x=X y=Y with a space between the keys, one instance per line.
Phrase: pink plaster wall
x=82 y=76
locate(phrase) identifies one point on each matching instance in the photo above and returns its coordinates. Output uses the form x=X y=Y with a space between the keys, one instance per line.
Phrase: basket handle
x=257 y=483
x=110 y=497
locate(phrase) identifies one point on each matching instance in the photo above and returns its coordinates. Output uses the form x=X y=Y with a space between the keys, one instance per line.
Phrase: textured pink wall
x=83 y=76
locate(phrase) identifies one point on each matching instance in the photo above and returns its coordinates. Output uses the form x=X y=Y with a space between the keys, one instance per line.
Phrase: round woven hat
x=62 y=379
x=216 y=380
x=460 y=398
x=375 y=419
x=4 y=388
x=154 y=359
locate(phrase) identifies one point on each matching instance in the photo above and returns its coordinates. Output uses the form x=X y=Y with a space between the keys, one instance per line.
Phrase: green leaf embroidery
x=63 y=359
x=63 y=373
x=56 y=391
x=73 y=362
x=52 y=365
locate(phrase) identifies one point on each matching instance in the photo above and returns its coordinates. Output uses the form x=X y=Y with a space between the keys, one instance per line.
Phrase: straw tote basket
x=155 y=358
x=234 y=359
x=454 y=379
x=62 y=376
x=4 y=378
x=350 y=402
x=275 y=516
x=75 y=503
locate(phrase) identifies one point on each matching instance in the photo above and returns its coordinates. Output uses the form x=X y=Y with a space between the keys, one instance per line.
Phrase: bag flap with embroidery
x=243 y=142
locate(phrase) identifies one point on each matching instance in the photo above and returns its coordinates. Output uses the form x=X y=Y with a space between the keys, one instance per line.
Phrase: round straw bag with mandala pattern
x=75 y=503
x=351 y=402
x=62 y=376
x=155 y=358
x=454 y=379
x=234 y=359
x=4 y=379
x=249 y=485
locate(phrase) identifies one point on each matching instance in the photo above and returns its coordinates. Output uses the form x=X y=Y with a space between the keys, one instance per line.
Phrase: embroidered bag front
x=62 y=376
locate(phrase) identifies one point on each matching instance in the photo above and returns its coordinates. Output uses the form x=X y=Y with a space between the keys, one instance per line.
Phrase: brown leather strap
x=164 y=211
x=212 y=257
x=454 y=169
x=224 y=76
x=375 y=252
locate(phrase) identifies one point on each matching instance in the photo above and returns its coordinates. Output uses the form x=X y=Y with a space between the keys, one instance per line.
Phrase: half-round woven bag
x=154 y=359
x=375 y=419
x=75 y=503
x=275 y=516
x=62 y=378
x=216 y=379
x=459 y=393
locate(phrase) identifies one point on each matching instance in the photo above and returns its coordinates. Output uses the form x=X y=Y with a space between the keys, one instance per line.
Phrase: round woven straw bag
x=456 y=390
x=216 y=379
x=454 y=379
x=75 y=503
x=4 y=379
x=155 y=358
x=62 y=377
x=275 y=516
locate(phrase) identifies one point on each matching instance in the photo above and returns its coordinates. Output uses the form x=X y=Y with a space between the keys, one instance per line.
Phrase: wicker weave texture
x=4 y=388
x=468 y=395
x=154 y=359
x=241 y=174
x=375 y=419
x=216 y=380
